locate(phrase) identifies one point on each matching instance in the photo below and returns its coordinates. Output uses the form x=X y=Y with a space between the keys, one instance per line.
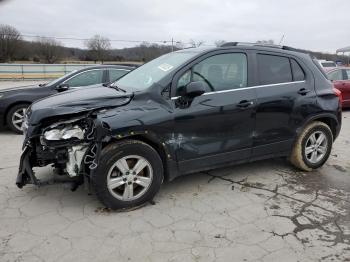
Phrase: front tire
x=313 y=147
x=15 y=117
x=129 y=174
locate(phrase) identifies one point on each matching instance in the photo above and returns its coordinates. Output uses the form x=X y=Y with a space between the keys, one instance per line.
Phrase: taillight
x=339 y=95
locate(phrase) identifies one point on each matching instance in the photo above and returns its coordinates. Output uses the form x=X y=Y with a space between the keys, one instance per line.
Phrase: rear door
x=285 y=91
x=214 y=128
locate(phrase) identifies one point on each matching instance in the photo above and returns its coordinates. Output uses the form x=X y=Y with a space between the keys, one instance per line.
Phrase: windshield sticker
x=165 y=67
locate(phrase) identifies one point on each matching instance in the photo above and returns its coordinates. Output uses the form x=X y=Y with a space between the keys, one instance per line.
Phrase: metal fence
x=37 y=71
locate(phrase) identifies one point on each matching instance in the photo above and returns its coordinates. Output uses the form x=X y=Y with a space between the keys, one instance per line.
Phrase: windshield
x=153 y=71
x=54 y=82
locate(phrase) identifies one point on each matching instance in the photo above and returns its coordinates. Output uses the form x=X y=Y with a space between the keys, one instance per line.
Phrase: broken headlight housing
x=65 y=133
x=67 y=130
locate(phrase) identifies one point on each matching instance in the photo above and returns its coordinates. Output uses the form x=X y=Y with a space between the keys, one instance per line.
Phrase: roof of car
x=128 y=68
x=107 y=66
x=260 y=47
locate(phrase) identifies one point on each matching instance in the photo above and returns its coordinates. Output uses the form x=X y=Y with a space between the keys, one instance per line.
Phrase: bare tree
x=49 y=49
x=98 y=47
x=10 y=39
x=194 y=43
x=219 y=43
x=179 y=45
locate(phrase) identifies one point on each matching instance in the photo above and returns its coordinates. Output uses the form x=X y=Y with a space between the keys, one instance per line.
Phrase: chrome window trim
x=246 y=88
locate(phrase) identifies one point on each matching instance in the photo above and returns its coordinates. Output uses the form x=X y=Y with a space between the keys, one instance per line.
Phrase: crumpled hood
x=76 y=101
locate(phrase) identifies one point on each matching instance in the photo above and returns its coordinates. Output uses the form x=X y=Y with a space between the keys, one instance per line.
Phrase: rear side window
x=298 y=73
x=274 y=69
x=347 y=73
x=335 y=75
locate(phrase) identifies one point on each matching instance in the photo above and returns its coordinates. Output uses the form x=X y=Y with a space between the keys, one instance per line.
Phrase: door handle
x=303 y=91
x=245 y=104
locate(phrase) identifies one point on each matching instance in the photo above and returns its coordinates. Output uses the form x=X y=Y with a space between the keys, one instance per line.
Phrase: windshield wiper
x=113 y=85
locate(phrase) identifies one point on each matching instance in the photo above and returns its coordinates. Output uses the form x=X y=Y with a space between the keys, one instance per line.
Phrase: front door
x=214 y=128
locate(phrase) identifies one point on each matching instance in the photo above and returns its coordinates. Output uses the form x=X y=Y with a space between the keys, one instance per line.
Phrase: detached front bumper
x=25 y=172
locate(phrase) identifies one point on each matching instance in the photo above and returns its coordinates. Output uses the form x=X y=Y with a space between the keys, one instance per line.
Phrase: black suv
x=187 y=111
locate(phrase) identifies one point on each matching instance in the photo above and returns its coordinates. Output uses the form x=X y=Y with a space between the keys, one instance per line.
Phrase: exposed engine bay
x=72 y=147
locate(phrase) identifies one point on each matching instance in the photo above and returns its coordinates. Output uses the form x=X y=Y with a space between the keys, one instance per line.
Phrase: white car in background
x=326 y=63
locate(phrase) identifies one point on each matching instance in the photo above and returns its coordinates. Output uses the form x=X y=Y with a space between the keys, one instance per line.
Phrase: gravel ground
x=264 y=211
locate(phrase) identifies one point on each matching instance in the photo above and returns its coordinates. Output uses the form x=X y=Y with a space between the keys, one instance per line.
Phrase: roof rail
x=228 y=44
x=288 y=48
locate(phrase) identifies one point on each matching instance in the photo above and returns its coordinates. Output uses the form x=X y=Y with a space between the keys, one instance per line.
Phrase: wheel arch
x=156 y=145
x=329 y=119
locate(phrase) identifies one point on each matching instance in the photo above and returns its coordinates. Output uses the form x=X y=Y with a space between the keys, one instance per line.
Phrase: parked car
x=14 y=101
x=341 y=79
x=327 y=64
x=184 y=112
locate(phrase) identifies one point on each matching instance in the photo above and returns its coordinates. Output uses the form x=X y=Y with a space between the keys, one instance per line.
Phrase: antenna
x=282 y=38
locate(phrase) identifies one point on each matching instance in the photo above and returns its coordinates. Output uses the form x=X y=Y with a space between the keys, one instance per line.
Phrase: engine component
x=75 y=157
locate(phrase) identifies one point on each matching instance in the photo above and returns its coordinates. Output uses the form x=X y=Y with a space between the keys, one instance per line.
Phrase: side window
x=115 y=74
x=335 y=75
x=298 y=73
x=347 y=73
x=218 y=72
x=183 y=81
x=87 y=78
x=274 y=69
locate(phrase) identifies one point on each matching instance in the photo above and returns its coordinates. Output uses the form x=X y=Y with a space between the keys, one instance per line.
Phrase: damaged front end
x=72 y=147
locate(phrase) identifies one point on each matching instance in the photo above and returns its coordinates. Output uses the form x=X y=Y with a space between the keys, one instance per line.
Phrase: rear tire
x=15 y=117
x=129 y=174
x=313 y=146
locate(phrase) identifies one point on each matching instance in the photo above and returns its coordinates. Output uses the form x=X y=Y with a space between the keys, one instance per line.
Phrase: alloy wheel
x=18 y=117
x=129 y=178
x=316 y=147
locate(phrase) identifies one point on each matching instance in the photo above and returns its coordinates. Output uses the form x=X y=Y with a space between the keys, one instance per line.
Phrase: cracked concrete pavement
x=263 y=211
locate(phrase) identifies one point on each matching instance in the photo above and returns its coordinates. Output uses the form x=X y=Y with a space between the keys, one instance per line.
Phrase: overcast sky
x=319 y=25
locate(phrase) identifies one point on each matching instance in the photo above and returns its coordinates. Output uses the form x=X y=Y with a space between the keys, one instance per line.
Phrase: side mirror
x=62 y=87
x=194 y=89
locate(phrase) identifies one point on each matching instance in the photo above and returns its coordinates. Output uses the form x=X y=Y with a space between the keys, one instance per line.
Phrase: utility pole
x=172 y=44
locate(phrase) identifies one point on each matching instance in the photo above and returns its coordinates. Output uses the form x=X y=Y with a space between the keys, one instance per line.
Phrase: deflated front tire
x=129 y=174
